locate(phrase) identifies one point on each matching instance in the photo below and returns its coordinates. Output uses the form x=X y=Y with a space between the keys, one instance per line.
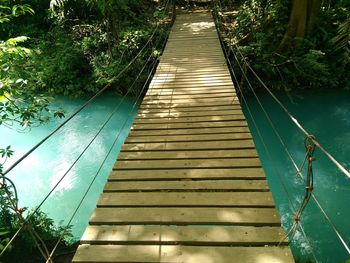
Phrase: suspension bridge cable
x=103 y=162
x=37 y=208
x=108 y=153
x=264 y=144
x=340 y=167
x=289 y=155
x=291 y=158
x=294 y=120
x=85 y=104
x=100 y=167
x=100 y=130
x=314 y=197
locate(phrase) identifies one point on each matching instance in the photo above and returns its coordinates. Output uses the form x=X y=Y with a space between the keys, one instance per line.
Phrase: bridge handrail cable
x=88 y=102
x=109 y=151
x=71 y=117
x=278 y=135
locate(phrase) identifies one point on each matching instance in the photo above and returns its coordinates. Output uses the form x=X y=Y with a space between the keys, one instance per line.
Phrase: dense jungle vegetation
x=77 y=47
x=72 y=48
x=291 y=44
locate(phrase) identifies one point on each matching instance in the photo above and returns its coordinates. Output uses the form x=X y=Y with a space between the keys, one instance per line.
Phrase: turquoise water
x=326 y=115
x=37 y=174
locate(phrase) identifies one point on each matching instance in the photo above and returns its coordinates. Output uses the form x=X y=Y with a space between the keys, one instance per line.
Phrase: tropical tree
x=302 y=20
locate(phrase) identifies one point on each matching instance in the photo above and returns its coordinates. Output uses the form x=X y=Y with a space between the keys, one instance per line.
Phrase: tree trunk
x=302 y=20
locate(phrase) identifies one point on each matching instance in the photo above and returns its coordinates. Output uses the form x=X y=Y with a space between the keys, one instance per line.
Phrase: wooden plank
x=193 y=163
x=212 y=118
x=195 y=72
x=143 y=114
x=193 y=131
x=189 y=74
x=173 y=100
x=197 y=154
x=170 y=68
x=204 y=52
x=192 y=38
x=186 y=216
x=233 y=144
x=185 y=235
x=195 y=199
x=214 y=62
x=173 y=77
x=192 y=138
x=206 y=44
x=194 y=59
x=209 y=174
x=195 y=97
x=174 y=97
x=197 y=88
x=192 y=109
x=188 y=185
x=163 y=94
x=209 y=53
x=193 y=85
x=176 y=254
x=181 y=92
x=195 y=101
x=208 y=124
x=193 y=105
x=194 y=80
x=167 y=69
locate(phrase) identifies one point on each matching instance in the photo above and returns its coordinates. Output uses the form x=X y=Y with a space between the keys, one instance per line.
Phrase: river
x=325 y=114
x=41 y=170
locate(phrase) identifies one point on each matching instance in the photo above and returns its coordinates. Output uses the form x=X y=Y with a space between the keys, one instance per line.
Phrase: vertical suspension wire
x=293 y=209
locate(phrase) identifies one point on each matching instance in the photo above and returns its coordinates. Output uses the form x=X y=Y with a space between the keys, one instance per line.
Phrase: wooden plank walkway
x=188 y=184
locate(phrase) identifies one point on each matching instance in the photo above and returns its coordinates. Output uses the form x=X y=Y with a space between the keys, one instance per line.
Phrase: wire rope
x=60 y=126
x=286 y=149
x=88 y=102
x=108 y=153
x=265 y=145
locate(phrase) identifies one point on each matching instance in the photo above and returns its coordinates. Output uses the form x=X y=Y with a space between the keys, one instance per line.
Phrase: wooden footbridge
x=188 y=184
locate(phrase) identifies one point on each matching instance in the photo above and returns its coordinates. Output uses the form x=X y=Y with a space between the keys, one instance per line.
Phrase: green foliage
x=320 y=61
x=73 y=48
x=341 y=41
x=7 y=13
x=19 y=104
x=24 y=249
x=90 y=42
x=59 y=66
